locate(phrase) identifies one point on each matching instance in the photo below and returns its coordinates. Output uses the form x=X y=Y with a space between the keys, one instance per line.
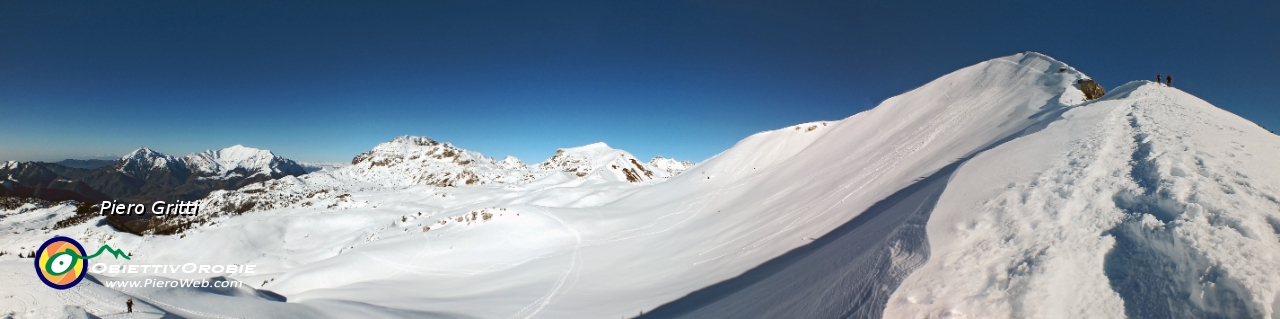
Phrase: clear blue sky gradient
x=324 y=82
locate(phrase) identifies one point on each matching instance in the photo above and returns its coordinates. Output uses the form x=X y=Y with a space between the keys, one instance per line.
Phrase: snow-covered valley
x=995 y=191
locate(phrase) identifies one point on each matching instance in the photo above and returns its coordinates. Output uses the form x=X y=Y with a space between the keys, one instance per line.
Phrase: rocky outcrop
x=416 y=160
x=1091 y=89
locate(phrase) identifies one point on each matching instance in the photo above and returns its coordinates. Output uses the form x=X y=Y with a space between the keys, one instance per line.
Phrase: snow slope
x=993 y=191
x=887 y=153
x=1147 y=203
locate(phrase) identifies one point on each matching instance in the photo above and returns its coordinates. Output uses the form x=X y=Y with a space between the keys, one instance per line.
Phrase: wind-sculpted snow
x=846 y=273
x=850 y=272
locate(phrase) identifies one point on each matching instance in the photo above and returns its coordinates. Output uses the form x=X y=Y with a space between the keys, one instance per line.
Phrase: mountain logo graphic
x=61 y=262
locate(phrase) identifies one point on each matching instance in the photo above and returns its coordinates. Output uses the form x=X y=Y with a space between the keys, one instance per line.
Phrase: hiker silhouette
x=1168 y=80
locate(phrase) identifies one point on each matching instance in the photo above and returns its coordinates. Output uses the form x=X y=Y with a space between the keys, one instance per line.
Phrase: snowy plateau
x=995 y=191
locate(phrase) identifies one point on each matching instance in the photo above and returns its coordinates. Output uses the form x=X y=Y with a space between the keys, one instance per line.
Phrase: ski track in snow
x=538 y=305
x=1124 y=225
x=150 y=300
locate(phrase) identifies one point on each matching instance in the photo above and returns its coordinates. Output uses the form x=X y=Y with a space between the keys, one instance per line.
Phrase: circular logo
x=60 y=262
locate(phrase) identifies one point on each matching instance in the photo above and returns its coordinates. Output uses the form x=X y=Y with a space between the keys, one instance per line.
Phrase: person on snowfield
x=129 y=303
x=1168 y=80
x=1159 y=79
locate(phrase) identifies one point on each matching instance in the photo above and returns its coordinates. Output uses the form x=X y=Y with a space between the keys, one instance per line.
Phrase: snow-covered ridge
x=222 y=163
x=231 y=162
x=1147 y=203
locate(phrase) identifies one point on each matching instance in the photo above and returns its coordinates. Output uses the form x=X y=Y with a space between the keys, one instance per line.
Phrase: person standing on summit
x=1159 y=79
x=1168 y=80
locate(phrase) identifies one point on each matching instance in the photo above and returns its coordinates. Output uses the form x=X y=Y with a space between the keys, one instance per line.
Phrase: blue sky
x=324 y=82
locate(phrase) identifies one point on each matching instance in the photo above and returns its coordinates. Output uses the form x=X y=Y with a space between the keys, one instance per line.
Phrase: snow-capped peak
x=416 y=160
x=669 y=165
x=234 y=161
x=413 y=148
x=143 y=153
x=600 y=160
x=511 y=162
x=142 y=160
x=253 y=161
x=593 y=147
x=575 y=160
x=408 y=140
x=240 y=152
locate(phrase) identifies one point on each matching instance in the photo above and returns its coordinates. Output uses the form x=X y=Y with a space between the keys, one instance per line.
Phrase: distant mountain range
x=254 y=179
x=144 y=175
x=418 y=160
x=409 y=161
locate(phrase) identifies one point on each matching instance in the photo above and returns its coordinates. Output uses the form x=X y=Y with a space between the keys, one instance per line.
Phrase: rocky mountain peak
x=143 y=160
